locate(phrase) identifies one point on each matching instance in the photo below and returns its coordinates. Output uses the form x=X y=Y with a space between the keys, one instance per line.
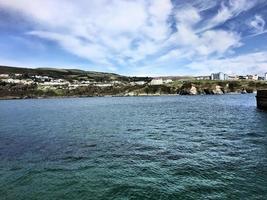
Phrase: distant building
x=86 y=82
x=139 y=82
x=116 y=82
x=103 y=84
x=42 y=78
x=243 y=77
x=233 y=77
x=167 y=81
x=4 y=75
x=156 y=81
x=253 y=77
x=160 y=81
x=219 y=76
x=18 y=81
x=265 y=76
x=261 y=78
x=203 y=78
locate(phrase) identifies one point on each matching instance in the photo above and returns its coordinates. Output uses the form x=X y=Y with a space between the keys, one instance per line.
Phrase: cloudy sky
x=136 y=37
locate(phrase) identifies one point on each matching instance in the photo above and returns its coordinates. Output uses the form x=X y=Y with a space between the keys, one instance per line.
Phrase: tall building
x=265 y=76
x=219 y=76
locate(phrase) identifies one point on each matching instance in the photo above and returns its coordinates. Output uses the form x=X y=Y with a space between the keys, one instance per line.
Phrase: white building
x=203 y=77
x=116 y=82
x=253 y=77
x=219 y=76
x=156 y=81
x=4 y=75
x=167 y=81
x=160 y=81
x=265 y=76
x=18 y=81
x=103 y=84
x=53 y=83
x=139 y=83
x=233 y=77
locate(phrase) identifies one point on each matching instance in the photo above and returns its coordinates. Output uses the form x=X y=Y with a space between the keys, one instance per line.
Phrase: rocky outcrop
x=195 y=90
x=244 y=91
x=217 y=90
x=188 y=90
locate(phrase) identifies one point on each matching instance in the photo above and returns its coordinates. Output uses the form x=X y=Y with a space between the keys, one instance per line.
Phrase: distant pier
x=262 y=99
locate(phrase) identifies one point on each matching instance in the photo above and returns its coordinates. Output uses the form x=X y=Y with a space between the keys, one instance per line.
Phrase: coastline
x=105 y=96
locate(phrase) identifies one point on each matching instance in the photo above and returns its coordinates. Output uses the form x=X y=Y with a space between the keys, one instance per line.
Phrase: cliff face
x=195 y=90
x=220 y=87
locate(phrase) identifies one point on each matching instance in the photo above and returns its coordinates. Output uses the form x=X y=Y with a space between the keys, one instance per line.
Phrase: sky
x=136 y=37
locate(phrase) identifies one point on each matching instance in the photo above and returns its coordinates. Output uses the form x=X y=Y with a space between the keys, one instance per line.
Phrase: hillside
x=50 y=82
x=60 y=73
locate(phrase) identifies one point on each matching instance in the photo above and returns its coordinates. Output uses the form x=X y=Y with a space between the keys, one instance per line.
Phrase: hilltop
x=68 y=74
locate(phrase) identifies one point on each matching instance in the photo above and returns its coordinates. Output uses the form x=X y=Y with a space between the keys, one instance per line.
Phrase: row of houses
x=9 y=76
x=222 y=76
x=48 y=82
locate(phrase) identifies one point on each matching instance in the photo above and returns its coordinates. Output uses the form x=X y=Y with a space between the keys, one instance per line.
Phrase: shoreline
x=105 y=96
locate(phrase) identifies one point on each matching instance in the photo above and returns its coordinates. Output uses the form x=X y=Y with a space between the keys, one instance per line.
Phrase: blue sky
x=136 y=37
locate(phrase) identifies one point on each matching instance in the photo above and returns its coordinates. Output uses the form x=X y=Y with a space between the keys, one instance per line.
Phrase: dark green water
x=176 y=147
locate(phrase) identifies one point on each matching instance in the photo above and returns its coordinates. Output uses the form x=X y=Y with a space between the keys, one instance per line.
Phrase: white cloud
x=203 y=43
x=242 y=64
x=75 y=45
x=229 y=11
x=114 y=33
x=99 y=30
x=188 y=16
x=217 y=42
x=257 y=24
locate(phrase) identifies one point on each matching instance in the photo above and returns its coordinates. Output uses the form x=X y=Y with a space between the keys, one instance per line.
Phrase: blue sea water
x=166 y=147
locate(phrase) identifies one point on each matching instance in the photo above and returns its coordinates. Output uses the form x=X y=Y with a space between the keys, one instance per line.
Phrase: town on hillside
x=49 y=81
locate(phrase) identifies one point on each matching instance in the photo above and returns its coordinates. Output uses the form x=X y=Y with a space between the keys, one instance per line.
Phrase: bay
x=165 y=147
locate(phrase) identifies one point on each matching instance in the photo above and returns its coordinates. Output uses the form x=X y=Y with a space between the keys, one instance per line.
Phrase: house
x=116 y=82
x=156 y=81
x=253 y=77
x=4 y=75
x=203 y=78
x=233 y=77
x=243 y=77
x=11 y=80
x=42 y=78
x=103 y=84
x=139 y=82
x=18 y=81
x=167 y=81
x=160 y=81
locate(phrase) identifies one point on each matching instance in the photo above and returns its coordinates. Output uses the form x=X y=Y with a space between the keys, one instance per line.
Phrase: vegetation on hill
x=121 y=85
x=69 y=74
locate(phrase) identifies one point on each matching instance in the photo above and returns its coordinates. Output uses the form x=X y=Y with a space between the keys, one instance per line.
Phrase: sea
x=160 y=147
